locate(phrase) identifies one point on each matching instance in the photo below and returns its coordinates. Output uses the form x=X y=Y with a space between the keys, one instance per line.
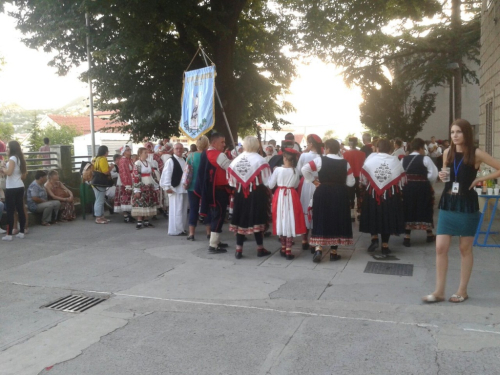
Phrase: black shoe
x=222 y=244
x=305 y=246
x=216 y=250
x=154 y=217
x=165 y=214
x=313 y=249
x=147 y=224
x=317 y=256
x=334 y=257
x=128 y=219
x=290 y=256
x=190 y=238
x=263 y=253
x=373 y=246
x=406 y=242
x=238 y=254
x=283 y=253
x=386 y=251
x=431 y=238
x=138 y=226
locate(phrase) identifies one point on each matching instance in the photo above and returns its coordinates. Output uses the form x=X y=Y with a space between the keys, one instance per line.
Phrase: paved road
x=174 y=309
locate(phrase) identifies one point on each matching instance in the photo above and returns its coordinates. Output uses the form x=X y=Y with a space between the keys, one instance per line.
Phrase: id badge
x=455 y=187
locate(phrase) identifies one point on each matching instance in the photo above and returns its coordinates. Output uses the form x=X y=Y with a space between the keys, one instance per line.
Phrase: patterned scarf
x=382 y=173
x=248 y=171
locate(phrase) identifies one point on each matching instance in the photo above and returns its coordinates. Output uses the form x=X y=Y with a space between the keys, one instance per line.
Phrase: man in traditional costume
x=213 y=188
x=355 y=158
x=177 y=194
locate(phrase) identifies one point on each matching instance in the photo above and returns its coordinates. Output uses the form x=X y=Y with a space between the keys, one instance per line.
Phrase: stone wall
x=490 y=73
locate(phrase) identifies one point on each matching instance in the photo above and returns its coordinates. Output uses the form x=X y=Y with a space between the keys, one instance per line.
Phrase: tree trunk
x=223 y=48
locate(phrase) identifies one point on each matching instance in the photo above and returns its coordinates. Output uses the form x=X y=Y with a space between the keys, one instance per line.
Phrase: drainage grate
x=389 y=269
x=74 y=303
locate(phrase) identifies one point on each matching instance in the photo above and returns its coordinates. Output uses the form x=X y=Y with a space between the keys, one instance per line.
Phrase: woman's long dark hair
x=15 y=150
x=468 y=145
x=101 y=151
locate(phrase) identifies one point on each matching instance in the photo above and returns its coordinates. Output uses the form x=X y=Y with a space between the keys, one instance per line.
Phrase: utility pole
x=456 y=26
x=91 y=98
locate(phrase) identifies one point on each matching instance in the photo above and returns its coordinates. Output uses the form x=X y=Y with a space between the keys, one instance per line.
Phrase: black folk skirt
x=385 y=216
x=331 y=216
x=418 y=200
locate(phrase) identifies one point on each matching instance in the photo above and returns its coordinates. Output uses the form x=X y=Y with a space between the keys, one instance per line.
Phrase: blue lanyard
x=455 y=168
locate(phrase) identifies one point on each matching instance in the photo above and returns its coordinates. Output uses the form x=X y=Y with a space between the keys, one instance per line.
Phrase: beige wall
x=490 y=73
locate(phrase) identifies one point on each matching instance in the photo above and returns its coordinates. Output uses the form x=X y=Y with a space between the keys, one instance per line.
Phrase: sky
x=321 y=99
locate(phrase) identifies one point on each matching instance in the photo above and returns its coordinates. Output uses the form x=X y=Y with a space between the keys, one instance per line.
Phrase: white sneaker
x=7 y=238
x=20 y=235
x=2 y=231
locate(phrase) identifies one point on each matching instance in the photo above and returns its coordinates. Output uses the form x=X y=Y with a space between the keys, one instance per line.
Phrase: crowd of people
x=316 y=193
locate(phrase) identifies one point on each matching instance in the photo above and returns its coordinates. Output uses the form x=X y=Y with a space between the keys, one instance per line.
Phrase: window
x=489 y=128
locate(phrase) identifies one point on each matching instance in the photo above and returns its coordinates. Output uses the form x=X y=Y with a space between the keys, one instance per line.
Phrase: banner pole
x=220 y=102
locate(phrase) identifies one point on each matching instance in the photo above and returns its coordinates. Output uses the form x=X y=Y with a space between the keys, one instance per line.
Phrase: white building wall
x=437 y=124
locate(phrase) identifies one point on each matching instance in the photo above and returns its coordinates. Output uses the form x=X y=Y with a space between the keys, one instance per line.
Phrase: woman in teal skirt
x=459 y=208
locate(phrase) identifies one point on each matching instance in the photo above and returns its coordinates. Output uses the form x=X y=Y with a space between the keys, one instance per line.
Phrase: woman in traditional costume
x=331 y=213
x=312 y=151
x=123 y=196
x=459 y=208
x=248 y=174
x=288 y=220
x=145 y=198
x=383 y=178
x=157 y=164
x=418 y=194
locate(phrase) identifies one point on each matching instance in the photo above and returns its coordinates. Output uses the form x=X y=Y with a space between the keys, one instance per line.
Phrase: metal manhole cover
x=74 y=303
x=396 y=269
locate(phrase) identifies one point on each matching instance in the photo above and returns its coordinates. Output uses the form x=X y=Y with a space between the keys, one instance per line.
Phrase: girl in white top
x=15 y=170
x=288 y=220
x=312 y=151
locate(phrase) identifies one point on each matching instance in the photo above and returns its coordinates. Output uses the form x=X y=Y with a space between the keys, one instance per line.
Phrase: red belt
x=286 y=188
x=416 y=177
x=145 y=174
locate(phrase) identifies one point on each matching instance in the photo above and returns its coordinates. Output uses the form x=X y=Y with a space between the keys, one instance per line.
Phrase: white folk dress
x=288 y=220
x=308 y=188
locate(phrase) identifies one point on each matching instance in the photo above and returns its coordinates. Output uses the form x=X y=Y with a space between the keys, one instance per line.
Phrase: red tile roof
x=82 y=123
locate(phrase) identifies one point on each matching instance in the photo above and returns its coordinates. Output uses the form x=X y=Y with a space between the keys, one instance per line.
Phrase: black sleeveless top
x=466 y=199
x=333 y=171
x=416 y=166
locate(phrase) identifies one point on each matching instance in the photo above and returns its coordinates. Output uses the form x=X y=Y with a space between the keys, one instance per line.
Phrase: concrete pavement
x=172 y=308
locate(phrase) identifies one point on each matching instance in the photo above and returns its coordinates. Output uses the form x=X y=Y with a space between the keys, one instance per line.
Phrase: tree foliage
x=395 y=110
x=141 y=49
x=6 y=131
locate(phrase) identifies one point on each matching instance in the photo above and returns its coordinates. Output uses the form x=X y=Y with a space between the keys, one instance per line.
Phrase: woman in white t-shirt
x=15 y=170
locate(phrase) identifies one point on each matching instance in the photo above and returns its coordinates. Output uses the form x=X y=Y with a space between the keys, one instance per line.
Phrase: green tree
x=62 y=135
x=141 y=49
x=329 y=134
x=6 y=131
x=418 y=37
x=35 y=139
x=393 y=110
